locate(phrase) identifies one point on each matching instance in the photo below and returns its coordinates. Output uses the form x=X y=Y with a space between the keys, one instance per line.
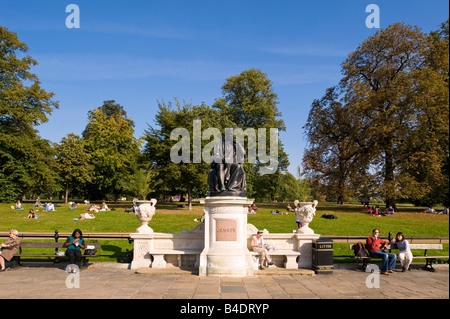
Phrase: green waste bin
x=322 y=256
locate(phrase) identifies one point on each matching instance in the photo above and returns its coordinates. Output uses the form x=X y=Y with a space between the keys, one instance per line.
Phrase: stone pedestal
x=141 y=256
x=226 y=252
x=304 y=244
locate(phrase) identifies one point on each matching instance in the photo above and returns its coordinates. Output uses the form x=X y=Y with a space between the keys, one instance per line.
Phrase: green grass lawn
x=169 y=218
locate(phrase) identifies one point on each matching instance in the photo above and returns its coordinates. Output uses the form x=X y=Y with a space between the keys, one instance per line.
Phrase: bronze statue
x=227 y=176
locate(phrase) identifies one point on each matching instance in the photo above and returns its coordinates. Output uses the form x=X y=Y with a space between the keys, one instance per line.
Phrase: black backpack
x=360 y=250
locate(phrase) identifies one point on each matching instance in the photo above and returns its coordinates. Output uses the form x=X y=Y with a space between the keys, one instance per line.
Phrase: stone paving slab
x=113 y=282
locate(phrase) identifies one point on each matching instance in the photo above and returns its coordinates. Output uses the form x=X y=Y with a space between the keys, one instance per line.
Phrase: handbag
x=90 y=250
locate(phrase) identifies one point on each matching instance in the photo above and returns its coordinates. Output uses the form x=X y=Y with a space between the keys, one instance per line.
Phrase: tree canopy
x=389 y=116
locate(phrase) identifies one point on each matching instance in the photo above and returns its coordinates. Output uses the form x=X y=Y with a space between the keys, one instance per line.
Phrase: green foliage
x=141 y=183
x=26 y=161
x=73 y=163
x=190 y=178
x=388 y=116
x=109 y=139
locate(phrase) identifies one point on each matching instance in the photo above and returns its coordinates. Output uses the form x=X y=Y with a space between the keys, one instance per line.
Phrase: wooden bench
x=290 y=255
x=429 y=259
x=160 y=262
x=55 y=245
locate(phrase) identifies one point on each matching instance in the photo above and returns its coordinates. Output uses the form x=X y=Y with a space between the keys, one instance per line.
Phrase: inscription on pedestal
x=226 y=230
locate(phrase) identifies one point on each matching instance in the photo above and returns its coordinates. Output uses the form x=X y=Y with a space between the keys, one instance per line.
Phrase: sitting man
x=374 y=245
x=49 y=207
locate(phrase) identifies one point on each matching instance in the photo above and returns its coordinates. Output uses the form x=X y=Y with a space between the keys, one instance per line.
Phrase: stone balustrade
x=159 y=250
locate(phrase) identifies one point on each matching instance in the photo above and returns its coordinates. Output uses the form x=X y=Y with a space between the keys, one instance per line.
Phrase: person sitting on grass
x=390 y=211
x=18 y=206
x=49 y=207
x=73 y=205
x=104 y=207
x=31 y=214
x=38 y=203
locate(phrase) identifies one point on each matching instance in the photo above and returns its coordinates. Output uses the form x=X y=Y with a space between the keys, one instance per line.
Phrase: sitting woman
x=74 y=244
x=104 y=207
x=9 y=248
x=257 y=245
x=73 y=205
x=18 y=205
x=404 y=255
x=38 y=203
x=31 y=214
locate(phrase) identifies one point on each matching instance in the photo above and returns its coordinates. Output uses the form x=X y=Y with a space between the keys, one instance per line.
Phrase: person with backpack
x=374 y=246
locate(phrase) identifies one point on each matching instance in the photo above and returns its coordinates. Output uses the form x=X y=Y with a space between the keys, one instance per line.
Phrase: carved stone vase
x=305 y=212
x=144 y=211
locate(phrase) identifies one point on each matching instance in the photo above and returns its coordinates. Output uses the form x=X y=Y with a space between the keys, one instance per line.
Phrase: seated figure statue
x=227 y=176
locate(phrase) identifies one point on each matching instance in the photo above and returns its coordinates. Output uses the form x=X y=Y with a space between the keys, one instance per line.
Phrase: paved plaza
x=114 y=281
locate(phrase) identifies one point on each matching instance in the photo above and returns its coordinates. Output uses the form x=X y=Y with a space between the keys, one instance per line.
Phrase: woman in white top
x=258 y=246
x=404 y=254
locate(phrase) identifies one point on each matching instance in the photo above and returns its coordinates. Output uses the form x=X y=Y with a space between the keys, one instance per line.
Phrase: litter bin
x=322 y=256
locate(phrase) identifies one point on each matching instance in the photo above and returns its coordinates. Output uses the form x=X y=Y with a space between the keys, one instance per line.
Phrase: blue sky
x=138 y=52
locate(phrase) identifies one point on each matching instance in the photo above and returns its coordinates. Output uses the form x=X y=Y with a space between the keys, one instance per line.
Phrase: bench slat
x=279 y=253
x=175 y=252
x=51 y=245
x=48 y=255
x=426 y=246
x=412 y=246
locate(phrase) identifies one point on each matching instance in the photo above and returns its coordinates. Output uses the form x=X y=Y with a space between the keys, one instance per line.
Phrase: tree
x=429 y=164
x=73 y=163
x=336 y=157
x=109 y=139
x=249 y=102
x=383 y=83
x=185 y=177
x=393 y=108
x=26 y=161
x=142 y=182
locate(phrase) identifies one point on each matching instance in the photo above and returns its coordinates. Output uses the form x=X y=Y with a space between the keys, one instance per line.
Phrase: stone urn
x=305 y=212
x=144 y=211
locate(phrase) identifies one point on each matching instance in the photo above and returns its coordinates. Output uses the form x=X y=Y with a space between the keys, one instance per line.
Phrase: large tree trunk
x=389 y=180
x=189 y=197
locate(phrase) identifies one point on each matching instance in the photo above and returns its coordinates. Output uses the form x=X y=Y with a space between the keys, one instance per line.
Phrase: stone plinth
x=304 y=244
x=142 y=247
x=225 y=252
